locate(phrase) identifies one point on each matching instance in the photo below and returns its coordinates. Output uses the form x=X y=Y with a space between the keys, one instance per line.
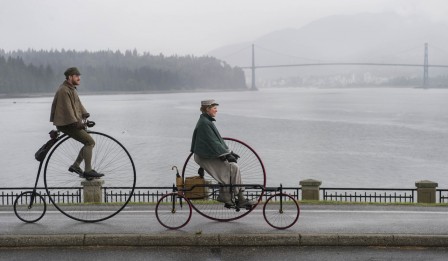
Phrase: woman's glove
x=231 y=158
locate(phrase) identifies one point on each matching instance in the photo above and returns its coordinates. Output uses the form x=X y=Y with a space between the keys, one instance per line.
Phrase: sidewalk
x=223 y=240
x=318 y=225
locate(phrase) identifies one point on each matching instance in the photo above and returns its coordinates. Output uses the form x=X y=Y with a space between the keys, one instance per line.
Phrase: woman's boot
x=242 y=202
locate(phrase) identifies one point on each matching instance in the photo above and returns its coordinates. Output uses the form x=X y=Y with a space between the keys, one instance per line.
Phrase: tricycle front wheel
x=173 y=211
x=281 y=211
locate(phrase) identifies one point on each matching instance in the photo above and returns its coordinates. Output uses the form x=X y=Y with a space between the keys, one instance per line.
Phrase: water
x=344 y=137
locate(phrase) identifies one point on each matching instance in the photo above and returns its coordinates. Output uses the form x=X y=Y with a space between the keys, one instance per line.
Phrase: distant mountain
x=387 y=38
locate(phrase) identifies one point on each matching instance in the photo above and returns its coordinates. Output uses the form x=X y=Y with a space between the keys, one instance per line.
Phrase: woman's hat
x=208 y=102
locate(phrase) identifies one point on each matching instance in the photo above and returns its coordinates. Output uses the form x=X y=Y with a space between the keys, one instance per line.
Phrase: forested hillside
x=34 y=71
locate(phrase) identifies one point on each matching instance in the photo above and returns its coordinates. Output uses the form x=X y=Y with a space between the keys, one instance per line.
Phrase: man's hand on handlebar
x=90 y=124
x=84 y=124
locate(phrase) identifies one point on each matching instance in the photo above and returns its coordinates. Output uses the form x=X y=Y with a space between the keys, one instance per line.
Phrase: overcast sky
x=175 y=26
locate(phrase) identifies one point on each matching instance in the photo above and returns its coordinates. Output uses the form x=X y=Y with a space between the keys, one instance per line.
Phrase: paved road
x=326 y=219
x=338 y=223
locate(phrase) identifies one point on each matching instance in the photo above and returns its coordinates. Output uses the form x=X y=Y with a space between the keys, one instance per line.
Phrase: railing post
x=426 y=191
x=310 y=189
x=92 y=190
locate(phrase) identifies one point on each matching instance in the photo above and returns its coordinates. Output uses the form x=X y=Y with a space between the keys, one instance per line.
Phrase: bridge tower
x=253 y=88
x=425 y=68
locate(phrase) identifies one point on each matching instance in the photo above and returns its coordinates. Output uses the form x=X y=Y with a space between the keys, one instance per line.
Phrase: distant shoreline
x=46 y=94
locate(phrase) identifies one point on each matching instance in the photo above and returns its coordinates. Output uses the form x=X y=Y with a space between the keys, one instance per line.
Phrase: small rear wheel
x=173 y=211
x=30 y=206
x=281 y=211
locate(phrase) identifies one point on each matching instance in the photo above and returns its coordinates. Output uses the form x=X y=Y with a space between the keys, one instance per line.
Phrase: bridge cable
x=234 y=53
x=440 y=49
x=288 y=55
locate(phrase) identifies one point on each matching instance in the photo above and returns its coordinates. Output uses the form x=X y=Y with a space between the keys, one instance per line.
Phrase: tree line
x=33 y=71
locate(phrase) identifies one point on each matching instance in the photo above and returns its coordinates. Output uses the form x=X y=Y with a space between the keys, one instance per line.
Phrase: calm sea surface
x=343 y=137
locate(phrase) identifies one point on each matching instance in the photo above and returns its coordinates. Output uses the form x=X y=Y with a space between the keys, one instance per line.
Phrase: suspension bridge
x=425 y=66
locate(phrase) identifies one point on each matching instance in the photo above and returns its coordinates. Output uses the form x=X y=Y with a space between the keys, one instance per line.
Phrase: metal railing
x=442 y=195
x=371 y=195
x=153 y=194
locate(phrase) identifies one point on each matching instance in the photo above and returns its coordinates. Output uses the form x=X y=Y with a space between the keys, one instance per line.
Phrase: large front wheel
x=252 y=174
x=90 y=200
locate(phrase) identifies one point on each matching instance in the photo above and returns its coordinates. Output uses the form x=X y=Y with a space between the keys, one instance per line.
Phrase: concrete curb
x=223 y=240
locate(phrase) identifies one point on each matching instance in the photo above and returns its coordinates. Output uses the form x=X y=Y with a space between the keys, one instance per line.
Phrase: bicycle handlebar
x=89 y=124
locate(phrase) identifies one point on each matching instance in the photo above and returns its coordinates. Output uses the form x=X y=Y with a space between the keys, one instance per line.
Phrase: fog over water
x=182 y=27
x=388 y=137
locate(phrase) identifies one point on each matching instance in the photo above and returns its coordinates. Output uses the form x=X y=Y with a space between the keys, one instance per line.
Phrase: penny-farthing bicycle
x=174 y=209
x=82 y=199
